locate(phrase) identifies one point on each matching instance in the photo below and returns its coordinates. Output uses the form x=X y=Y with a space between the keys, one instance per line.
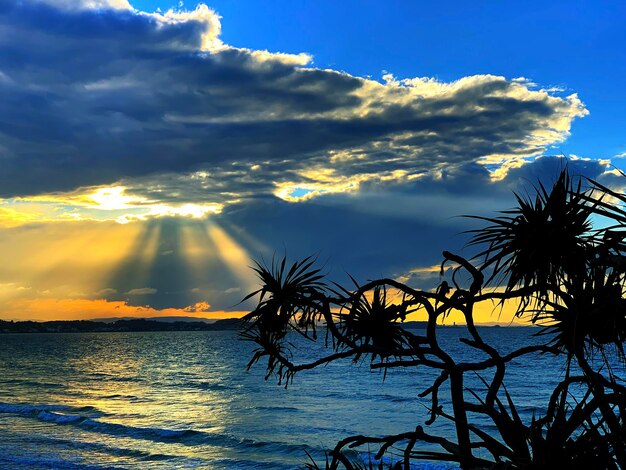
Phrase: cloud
x=198 y=307
x=157 y=103
x=103 y=293
x=384 y=230
x=207 y=153
x=87 y=4
x=185 y=261
x=142 y=291
x=388 y=229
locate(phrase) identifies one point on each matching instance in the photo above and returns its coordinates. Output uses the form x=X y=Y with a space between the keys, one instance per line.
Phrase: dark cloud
x=384 y=230
x=391 y=229
x=345 y=239
x=157 y=105
x=95 y=96
x=547 y=169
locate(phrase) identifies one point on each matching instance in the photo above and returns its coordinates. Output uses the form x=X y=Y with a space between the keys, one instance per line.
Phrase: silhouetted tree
x=544 y=255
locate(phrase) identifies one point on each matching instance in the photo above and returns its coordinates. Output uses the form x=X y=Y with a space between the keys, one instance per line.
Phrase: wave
x=359 y=396
x=58 y=418
x=113 y=377
x=28 y=409
x=33 y=383
x=130 y=398
x=77 y=417
x=20 y=462
x=52 y=442
x=239 y=464
x=289 y=409
x=208 y=386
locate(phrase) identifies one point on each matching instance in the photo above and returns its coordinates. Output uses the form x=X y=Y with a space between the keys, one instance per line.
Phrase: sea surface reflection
x=185 y=400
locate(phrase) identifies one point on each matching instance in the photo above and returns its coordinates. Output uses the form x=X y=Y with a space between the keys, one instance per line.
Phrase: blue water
x=184 y=400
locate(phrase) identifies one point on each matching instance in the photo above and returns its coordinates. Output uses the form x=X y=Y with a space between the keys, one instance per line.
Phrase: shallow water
x=184 y=400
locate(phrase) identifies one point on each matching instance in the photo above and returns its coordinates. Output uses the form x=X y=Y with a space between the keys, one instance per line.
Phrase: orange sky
x=64 y=271
x=45 y=309
x=84 y=309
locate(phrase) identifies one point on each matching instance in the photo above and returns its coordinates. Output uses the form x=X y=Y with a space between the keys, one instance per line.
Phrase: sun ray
x=134 y=269
x=253 y=245
x=197 y=252
x=233 y=255
x=41 y=258
x=95 y=254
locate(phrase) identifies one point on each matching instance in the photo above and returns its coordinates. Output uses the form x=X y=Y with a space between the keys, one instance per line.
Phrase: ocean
x=162 y=400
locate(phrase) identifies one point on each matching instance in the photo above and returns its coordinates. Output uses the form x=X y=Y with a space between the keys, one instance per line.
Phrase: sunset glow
x=173 y=144
x=312 y=234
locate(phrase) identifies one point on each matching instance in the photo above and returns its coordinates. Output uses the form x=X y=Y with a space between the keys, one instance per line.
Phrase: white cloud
x=88 y=4
x=142 y=291
x=202 y=15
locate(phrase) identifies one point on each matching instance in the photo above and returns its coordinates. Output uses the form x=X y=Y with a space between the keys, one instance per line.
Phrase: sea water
x=185 y=400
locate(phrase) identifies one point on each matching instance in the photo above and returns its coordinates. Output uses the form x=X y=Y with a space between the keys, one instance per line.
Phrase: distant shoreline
x=132 y=325
x=146 y=325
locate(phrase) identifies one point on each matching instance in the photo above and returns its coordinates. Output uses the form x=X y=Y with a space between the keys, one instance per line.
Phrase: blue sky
x=148 y=156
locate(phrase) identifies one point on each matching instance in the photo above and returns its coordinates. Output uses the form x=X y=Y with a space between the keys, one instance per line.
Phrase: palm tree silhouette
x=565 y=276
x=548 y=248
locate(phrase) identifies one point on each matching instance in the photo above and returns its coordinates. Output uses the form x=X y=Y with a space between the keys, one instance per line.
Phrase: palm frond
x=539 y=243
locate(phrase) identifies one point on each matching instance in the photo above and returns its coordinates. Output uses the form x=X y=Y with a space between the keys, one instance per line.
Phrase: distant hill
x=137 y=324
x=419 y=325
x=163 y=319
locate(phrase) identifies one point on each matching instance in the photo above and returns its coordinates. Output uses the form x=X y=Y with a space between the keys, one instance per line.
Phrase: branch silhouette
x=545 y=256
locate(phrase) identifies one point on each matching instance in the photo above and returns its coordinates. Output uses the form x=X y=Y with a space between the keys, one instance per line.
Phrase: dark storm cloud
x=391 y=229
x=547 y=169
x=345 y=239
x=96 y=96
x=157 y=105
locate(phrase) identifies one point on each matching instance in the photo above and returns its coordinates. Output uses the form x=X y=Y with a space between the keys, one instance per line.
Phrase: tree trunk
x=460 y=415
x=597 y=389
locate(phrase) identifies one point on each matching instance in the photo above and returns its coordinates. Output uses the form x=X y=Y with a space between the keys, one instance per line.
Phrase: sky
x=150 y=150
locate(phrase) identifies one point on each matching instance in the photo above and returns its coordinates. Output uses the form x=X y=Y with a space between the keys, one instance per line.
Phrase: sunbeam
x=133 y=271
x=42 y=259
x=233 y=255
x=199 y=253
